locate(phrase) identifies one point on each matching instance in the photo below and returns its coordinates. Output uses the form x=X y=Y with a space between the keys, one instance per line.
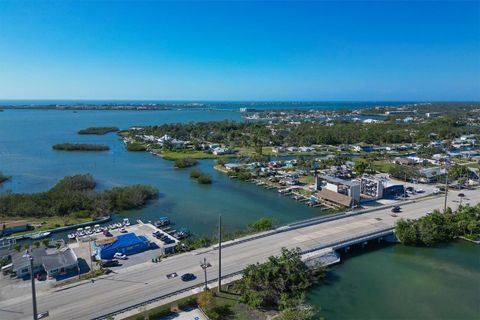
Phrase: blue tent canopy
x=128 y=244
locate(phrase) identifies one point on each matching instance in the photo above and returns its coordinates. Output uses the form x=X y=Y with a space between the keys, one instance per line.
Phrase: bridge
x=146 y=283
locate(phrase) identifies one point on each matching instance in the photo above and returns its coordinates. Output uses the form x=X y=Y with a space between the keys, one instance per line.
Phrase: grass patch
x=307 y=179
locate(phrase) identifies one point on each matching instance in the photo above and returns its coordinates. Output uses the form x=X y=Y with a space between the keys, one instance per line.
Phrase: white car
x=120 y=256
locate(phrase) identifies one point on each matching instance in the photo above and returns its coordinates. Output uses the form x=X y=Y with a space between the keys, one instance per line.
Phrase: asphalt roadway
x=142 y=282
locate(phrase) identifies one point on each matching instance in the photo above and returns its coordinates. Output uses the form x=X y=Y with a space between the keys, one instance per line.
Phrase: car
x=109 y=263
x=419 y=190
x=41 y=276
x=396 y=209
x=188 y=277
x=120 y=256
x=107 y=233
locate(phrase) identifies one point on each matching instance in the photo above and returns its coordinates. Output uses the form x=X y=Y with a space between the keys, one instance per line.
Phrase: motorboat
x=40 y=235
x=96 y=228
x=126 y=222
x=72 y=236
x=163 y=221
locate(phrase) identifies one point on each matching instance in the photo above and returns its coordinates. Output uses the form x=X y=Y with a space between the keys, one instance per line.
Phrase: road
x=136 y=284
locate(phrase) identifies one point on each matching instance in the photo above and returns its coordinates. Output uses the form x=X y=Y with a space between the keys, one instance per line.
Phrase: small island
x=80 y=147
x=201 y=177
x=98 y=130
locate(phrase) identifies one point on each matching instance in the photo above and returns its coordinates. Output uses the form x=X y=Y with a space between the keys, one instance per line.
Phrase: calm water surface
x=26 y=138
x=399 y=282
x=395 y=282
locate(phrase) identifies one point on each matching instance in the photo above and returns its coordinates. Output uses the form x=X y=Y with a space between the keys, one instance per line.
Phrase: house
x=21 y=262
x=278 y=149
x=221 y=151
x=61 y=262
x=430 y=175
x=362 y=147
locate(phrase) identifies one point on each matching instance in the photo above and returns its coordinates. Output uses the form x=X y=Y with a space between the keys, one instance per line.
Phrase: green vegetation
x=173 y=155
x=185 y=163
x=257 y=135
x=262 y=224
x=440 y=227
x=80 y=147
x=201 y=177
x=403 y=172
x=98 y=130
x=240 y=173
x=74 y=196
x=135 y=146
x=280 y=283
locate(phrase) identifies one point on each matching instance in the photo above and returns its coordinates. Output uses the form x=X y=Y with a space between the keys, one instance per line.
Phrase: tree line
x=254 y=134
x=440 y=227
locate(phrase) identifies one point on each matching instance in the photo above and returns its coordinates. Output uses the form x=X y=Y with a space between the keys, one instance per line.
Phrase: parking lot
x=81 y=247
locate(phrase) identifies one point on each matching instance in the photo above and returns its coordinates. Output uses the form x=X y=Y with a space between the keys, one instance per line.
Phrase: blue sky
x=233 y=50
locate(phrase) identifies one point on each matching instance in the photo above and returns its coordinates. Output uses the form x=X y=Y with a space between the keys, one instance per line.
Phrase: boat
x=40 y=235
x=126 y=222
x=96 y=228
x=163 y=221
x=182 y=233
x=72 y=236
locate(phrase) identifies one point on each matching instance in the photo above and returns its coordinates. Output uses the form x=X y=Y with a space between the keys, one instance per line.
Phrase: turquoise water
x=399 y=282
x=26 y=137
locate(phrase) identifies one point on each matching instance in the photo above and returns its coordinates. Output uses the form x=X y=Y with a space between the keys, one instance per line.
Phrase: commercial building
x=350 y=189
x=21 y=262
x=371 y=187
x=63 y=261
x=127 y=244
x=53 y=262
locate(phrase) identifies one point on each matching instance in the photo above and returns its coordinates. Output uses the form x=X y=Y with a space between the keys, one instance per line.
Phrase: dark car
x=109 y=263
x=188 y=277
x=396 y=209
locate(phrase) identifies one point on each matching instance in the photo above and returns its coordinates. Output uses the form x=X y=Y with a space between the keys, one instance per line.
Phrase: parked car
x=188 y=277
x=41 y=276
x=109 y=263
x=120 y=256
x=107 y=233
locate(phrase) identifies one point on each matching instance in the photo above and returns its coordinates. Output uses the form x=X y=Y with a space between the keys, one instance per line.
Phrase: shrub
x=185 y=163
x=204 y=179
x=195 y=173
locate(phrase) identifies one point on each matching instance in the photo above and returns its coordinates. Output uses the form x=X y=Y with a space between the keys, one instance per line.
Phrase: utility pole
x=90 y=250
x=446 y=186
x=219 y=253
x=32 y=276
x=204 y=266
